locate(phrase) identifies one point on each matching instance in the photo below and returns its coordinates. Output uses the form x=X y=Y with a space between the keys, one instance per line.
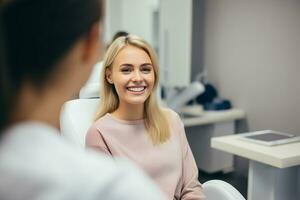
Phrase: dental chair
x=220 y=190
x=77 y=116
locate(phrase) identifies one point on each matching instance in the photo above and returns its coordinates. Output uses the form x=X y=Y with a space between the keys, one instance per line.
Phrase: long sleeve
x=191 y=188
x=95 y=141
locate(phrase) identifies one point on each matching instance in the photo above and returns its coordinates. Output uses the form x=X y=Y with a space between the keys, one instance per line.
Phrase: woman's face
x=132 y=74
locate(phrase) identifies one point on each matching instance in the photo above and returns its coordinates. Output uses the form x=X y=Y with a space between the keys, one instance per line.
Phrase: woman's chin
x=136 y=100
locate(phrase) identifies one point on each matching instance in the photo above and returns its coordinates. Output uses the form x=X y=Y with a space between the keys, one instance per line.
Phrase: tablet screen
x=268 y=137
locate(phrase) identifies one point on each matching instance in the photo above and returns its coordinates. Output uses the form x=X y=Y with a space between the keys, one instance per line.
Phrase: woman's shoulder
x=109 y=123
x=97 y=124
x=101 y=119
x=105 y=120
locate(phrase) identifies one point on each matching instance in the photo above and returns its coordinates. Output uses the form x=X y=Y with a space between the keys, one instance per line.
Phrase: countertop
x=209 y=117
x=281 y=156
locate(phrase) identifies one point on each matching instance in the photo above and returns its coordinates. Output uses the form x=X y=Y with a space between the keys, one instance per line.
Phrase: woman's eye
x=146 y=69
x=126 y=70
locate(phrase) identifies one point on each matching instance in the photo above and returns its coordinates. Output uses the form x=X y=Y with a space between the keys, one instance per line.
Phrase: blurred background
x=250 y=49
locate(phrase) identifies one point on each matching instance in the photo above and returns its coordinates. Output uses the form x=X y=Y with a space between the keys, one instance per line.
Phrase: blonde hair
x=155 y=118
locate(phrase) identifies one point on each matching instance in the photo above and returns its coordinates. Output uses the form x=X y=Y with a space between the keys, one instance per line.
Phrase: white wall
x=175 y=38
x=134 y=16
x=252 y=52
x=137 y=17
x=113 y=12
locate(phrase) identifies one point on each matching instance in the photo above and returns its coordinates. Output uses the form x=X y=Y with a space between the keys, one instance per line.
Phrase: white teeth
x=136 y=89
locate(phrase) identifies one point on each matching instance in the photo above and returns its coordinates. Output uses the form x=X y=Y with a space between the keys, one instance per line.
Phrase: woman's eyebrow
x=131 y=65
x=126 y=65
x=146 y=64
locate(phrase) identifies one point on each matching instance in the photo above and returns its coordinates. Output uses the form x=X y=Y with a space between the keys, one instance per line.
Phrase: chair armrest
x=217 y=189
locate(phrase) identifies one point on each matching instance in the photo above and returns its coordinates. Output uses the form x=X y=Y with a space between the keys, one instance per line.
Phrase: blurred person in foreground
x=48 y=48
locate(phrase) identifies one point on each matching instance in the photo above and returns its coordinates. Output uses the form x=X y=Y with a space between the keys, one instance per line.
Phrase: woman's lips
x=136 y=89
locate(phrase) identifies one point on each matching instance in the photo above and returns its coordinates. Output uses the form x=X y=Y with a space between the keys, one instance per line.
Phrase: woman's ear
x=108 y=76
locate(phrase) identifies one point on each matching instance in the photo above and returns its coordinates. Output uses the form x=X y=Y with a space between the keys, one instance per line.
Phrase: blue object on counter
x=208 y=95
x=218 y=104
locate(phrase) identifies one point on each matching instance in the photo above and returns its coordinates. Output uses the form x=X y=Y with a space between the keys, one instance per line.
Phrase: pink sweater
x=170 y=164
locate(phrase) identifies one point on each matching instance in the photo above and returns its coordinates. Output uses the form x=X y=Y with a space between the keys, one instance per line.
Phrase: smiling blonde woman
x=130 y=123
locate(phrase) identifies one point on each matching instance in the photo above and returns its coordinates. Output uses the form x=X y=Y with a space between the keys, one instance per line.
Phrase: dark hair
x=119 y=34
x=37 y=34
x=4 y=88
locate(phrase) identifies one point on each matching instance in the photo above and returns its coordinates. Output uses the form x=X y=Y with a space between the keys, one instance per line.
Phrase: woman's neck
x=38 y=106
x=129 y=112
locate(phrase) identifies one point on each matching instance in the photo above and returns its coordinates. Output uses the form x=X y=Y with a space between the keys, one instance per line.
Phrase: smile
x=136 y=89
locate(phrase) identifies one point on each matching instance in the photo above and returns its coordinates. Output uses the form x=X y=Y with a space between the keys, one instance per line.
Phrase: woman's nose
x=137 y=76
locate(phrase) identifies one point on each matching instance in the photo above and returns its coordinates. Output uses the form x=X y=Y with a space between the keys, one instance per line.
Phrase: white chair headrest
x=92 y=87
x=76 y=117
x=90 y=91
